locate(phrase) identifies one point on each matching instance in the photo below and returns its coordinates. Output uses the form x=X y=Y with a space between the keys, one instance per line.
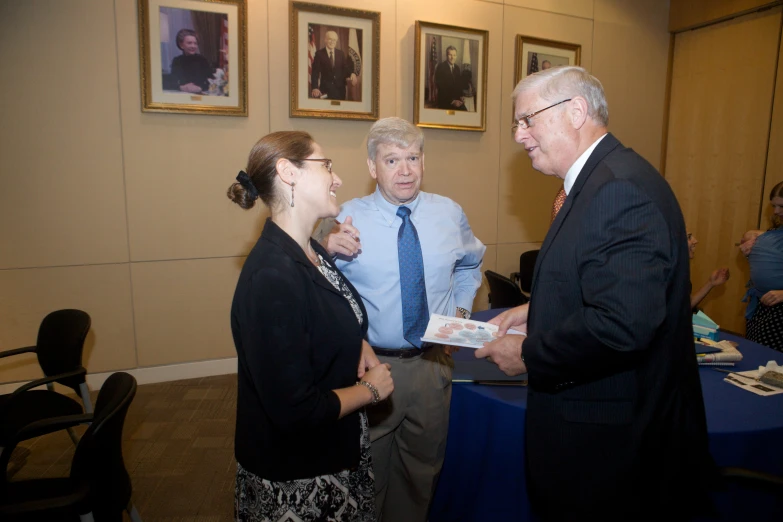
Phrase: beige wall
x=123 y=213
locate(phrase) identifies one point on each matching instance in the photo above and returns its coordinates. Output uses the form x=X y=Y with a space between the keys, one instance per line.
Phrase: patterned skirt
x=766 y=326
x=348 y=496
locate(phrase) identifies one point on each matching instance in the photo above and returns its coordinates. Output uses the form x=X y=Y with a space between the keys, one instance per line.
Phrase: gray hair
x=563 y=82
x=393 y=131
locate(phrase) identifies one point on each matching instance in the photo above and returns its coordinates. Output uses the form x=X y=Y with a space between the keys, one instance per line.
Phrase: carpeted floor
x=178 y=445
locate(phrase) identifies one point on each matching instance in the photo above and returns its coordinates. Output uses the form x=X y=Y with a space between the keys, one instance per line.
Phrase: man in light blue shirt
x=408 y=431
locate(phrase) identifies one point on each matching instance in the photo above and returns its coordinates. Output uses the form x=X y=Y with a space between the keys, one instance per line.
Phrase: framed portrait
x=335 y=62
x=450 y=77
x=535 y=54
x=193 y=56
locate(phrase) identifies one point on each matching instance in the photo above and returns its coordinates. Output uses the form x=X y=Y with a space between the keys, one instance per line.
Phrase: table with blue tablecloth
x=483 y=476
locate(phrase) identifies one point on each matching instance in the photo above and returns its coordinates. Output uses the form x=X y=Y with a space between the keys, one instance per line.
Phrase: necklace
x=313 y=257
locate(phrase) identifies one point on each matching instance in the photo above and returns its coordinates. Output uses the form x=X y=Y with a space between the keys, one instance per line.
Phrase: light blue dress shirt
x=452 y=260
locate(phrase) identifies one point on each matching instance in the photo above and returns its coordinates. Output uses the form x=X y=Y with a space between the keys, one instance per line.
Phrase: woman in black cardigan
x=302 y=443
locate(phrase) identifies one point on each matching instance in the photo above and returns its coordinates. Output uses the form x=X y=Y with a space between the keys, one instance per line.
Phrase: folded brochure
x=456 y=331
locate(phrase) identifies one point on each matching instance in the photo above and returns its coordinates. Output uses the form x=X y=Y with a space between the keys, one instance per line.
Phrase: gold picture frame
x=193 y=56
x=533 y=53
x=449 y=92
x=335 y=62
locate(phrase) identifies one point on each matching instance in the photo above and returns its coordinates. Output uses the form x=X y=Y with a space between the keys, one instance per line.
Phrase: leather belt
x=401 y=353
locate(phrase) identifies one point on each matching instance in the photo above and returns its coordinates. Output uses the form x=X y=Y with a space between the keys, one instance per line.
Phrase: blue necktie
x=415 y=314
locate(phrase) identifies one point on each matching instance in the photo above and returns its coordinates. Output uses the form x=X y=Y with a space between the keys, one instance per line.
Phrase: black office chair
x=59 y=351
x=527 y=263
x=503 y=292
x=99 y=487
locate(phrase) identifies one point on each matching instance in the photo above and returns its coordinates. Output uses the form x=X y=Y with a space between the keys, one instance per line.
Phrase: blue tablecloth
x=483 y=477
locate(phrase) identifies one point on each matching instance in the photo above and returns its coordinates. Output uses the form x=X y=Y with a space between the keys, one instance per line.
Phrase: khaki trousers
x=408 y=433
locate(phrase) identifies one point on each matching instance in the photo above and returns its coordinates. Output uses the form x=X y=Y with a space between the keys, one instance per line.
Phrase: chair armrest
x=50 y=425
x=17 y=351
x=753 y=479
x=516 y=277
x=45 y=380
x=36 y=429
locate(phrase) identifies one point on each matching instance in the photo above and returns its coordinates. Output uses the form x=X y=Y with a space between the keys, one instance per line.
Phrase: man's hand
x=354 y=79
x=719 y=276
x=457 y=103
x=506 y=353
x=367 y=360
x=316 y=93
x=515 y=318
x=343 y=239
x=772 y=298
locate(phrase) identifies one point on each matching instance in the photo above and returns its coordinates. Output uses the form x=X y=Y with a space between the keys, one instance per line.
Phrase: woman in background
x=302 y=444
x=764 y=314
x=191 y=70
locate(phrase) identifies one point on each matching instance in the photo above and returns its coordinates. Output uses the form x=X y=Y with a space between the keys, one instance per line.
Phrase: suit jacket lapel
x=607 y=145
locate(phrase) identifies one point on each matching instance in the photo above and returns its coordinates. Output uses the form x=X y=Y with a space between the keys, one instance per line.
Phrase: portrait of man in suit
x=615 y=415
x=448 y=80
x=332 y=68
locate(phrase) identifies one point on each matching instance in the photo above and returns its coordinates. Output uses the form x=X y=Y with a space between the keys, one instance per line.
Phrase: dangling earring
x=292 y=193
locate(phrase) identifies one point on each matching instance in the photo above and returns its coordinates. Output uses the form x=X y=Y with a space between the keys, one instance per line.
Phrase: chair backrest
x=98 y=457
x=503 y=292
x=61 y=342
x=527 y=262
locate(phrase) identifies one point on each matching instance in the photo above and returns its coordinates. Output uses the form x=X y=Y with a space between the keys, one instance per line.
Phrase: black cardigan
x=297 y=339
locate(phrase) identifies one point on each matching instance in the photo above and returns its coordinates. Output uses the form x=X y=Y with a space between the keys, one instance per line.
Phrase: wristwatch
x=463 y=313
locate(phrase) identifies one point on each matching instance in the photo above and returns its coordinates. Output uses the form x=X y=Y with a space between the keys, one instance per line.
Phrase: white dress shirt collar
x=576 y=168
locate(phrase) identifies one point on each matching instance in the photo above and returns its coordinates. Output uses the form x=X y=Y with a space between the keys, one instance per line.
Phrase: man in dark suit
x=449 y=82
x=616 y=427
x=330 y=71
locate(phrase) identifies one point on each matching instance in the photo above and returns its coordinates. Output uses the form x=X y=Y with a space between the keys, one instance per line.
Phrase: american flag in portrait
x=433 y=88
x=311 y=49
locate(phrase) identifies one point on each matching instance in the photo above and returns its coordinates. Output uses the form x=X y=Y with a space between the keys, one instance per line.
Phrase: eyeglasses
x=524 y=121
x=327 y=163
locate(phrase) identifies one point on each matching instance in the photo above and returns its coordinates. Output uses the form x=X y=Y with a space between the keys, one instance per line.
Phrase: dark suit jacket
x=331 y=80
x=616 y=427
x=297 y=339
x=449 y=86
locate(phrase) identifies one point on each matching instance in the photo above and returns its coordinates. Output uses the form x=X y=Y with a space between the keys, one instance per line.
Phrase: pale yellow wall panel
x=630 y=56
x=461 y=165
x=182 y=309
x=103 y=291
x=525 y=196
x=774 y=174
x=342 y=141
x=481 y=301
x=719 y=122
x=61 y=187
x=689 y=13
x=178 y=166
x=579 y=8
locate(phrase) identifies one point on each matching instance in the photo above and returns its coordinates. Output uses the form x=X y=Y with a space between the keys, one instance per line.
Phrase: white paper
x=747 y=381
x=456 y=331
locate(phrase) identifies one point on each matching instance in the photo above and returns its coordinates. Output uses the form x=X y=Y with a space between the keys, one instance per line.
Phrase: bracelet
x=464 y=313
x=376 y=397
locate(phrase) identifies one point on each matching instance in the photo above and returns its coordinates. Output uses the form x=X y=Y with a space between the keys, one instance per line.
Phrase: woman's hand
x=772 y=298
x=719 y=276
x=380 y=377
x=368 y=359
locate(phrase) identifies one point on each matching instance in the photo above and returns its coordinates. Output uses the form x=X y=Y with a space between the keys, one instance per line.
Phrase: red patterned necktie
x=558 y=203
